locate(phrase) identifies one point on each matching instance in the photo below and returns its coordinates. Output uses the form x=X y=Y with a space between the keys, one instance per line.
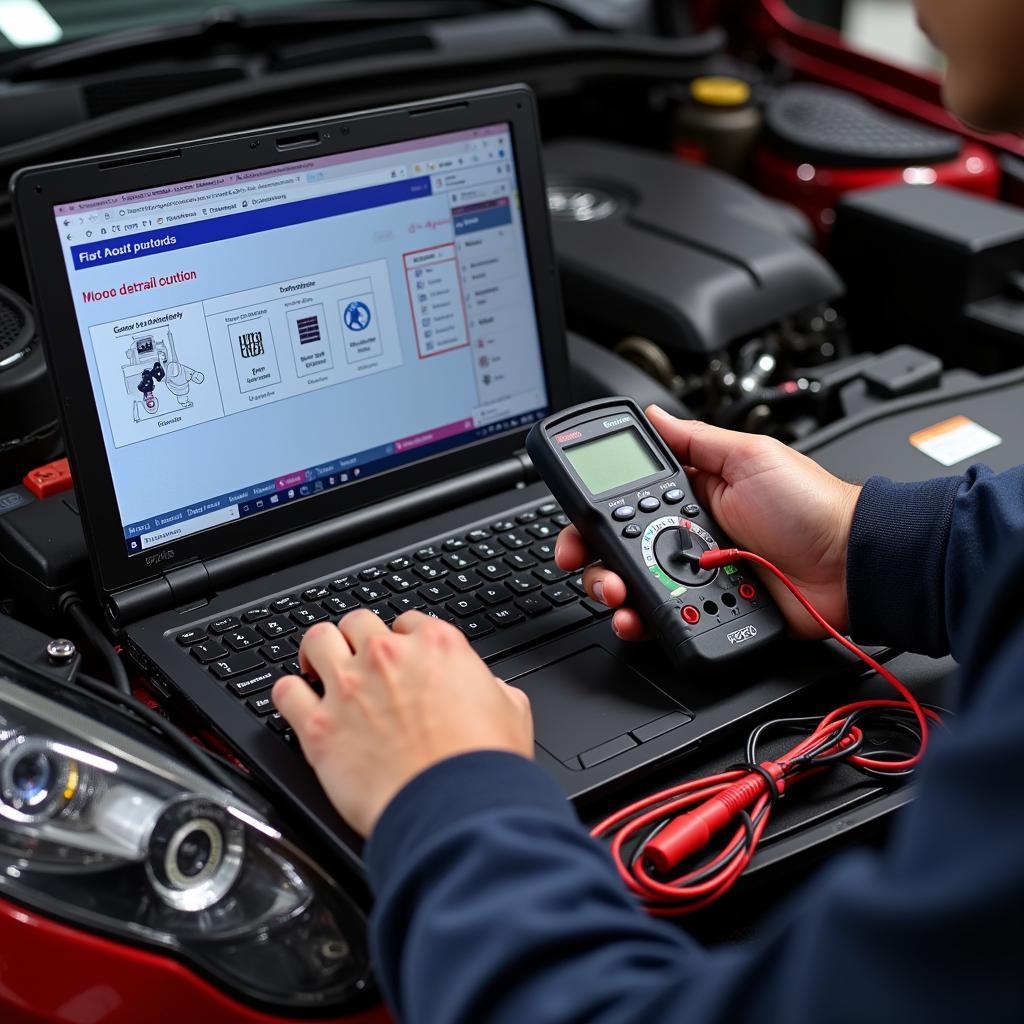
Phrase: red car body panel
x=51 y=973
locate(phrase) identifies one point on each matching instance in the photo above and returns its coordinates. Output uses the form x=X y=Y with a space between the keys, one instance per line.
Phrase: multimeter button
x=673 y=497
x=692 y=510
x=624 y=513
x=649 y=504
x=633 y=530
x=748 y=591
x=690 y=614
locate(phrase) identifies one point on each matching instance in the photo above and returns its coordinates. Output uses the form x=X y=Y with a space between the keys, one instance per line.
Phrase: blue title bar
x=183 y=236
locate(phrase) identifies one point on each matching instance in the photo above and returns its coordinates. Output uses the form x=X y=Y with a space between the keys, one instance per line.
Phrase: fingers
x=571 y=551
x=411 y=622
x=627 y=625
x=604 y=586
x=323 y=648
x=357 y=627
x=695 y=443
x=296 y=701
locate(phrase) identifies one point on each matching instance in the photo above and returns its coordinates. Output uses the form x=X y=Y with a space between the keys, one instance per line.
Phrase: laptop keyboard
x=495 y=581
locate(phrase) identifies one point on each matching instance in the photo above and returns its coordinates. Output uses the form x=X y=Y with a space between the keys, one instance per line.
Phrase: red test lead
x=654 y=836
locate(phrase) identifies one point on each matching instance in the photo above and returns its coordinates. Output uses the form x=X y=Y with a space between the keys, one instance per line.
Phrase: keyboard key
x=383 y=611
x=273 y=628
x=514 y=540
x=533 y=604
x=493 y=595
x=372 y=572
x=559 y=594
x=339 y=605
x=543 y=552
x=561 y=520
x=526 y=517
x=407 y=603
x=596 y=608
x=521 y=584
x=291 y=668
x=550 y=573
x=486 y=550
x=255 y=614
x=541 y=530
x=400 y=563
x=370 y=593
x=263 y=705
x=459 y=559
x=308 y=614
x=316 y=593
x=475 y=536
x=278 y=723
x=430 y=571
x=278 y=650
x=207 y=650
x=241 y=639
x=400 y=581
x=520 y=560
x=532 y=631
x=454 y=544
x=475 y=627
x=577 y=584
x=223 y=625
x=437 y=613
x=255 y=683
x=463 y=581
x=285 y=604
x=466 y=605
x=502 y=525
x=505 y=616
x=493 y=571
x=228 y=667
x=427 y=553
x=191 y=636
x=549 y=508
x=343 y=583
x=434 y=592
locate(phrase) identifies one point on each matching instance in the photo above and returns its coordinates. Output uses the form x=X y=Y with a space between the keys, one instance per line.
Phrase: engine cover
x=682 y=254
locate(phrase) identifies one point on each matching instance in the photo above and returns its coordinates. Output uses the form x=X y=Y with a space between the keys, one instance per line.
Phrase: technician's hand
x=395 y=702
x=769 y=499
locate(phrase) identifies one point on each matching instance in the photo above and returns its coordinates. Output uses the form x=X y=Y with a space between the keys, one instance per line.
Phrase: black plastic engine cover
x=685 y=255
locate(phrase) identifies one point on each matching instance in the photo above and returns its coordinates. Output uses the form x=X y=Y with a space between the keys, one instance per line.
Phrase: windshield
x=29 y=23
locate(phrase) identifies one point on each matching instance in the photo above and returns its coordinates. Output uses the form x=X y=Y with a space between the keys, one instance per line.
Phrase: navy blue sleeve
x=922 y=555
x=494 y=906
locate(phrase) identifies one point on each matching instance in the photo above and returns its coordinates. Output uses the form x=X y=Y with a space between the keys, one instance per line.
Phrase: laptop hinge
x=198 y=580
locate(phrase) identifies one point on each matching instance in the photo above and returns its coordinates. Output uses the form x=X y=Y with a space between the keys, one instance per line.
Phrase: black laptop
x=296 y=368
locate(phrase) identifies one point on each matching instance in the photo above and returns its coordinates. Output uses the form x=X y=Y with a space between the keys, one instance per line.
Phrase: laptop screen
x=262 y=337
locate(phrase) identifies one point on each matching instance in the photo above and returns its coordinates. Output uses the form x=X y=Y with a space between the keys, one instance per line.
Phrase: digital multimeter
x=628 y=496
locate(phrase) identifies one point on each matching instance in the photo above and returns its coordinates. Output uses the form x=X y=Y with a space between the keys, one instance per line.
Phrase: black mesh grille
x=12 y=326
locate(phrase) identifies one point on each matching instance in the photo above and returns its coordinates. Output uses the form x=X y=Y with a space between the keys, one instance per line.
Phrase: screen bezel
x=38 y=190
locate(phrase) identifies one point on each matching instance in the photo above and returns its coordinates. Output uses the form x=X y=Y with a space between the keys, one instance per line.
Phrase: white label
x=954 y=440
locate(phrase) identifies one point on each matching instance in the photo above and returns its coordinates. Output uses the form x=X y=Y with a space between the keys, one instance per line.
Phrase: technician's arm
x=495 y=907
x=921 y=555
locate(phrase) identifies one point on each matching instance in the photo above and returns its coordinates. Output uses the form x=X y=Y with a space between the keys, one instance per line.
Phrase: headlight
x=105 y=830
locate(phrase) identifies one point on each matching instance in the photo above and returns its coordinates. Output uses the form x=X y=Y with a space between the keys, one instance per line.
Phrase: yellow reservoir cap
x=720 y=91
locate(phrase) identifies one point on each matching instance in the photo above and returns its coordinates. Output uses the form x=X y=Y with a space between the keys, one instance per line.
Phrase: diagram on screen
x=152 y=361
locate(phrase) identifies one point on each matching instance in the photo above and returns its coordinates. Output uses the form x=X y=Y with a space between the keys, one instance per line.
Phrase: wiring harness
x=660 y=843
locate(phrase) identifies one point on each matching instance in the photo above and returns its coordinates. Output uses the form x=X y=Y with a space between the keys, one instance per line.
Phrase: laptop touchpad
x=589 y=703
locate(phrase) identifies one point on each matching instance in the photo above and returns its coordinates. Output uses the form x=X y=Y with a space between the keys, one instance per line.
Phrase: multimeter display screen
x=612 y=461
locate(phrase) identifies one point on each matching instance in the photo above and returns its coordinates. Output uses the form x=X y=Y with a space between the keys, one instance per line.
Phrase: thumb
x=695 y=443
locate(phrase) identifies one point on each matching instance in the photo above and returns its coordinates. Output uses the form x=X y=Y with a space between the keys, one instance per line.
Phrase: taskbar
x=311 y=481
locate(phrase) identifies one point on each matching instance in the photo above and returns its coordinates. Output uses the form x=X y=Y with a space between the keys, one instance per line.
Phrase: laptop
x=296 y=368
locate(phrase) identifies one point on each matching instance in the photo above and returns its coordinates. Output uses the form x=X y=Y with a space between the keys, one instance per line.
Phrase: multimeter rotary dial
x=672 y=547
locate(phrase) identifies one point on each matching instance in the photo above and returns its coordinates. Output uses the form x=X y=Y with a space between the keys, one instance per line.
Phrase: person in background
x=493 y=904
